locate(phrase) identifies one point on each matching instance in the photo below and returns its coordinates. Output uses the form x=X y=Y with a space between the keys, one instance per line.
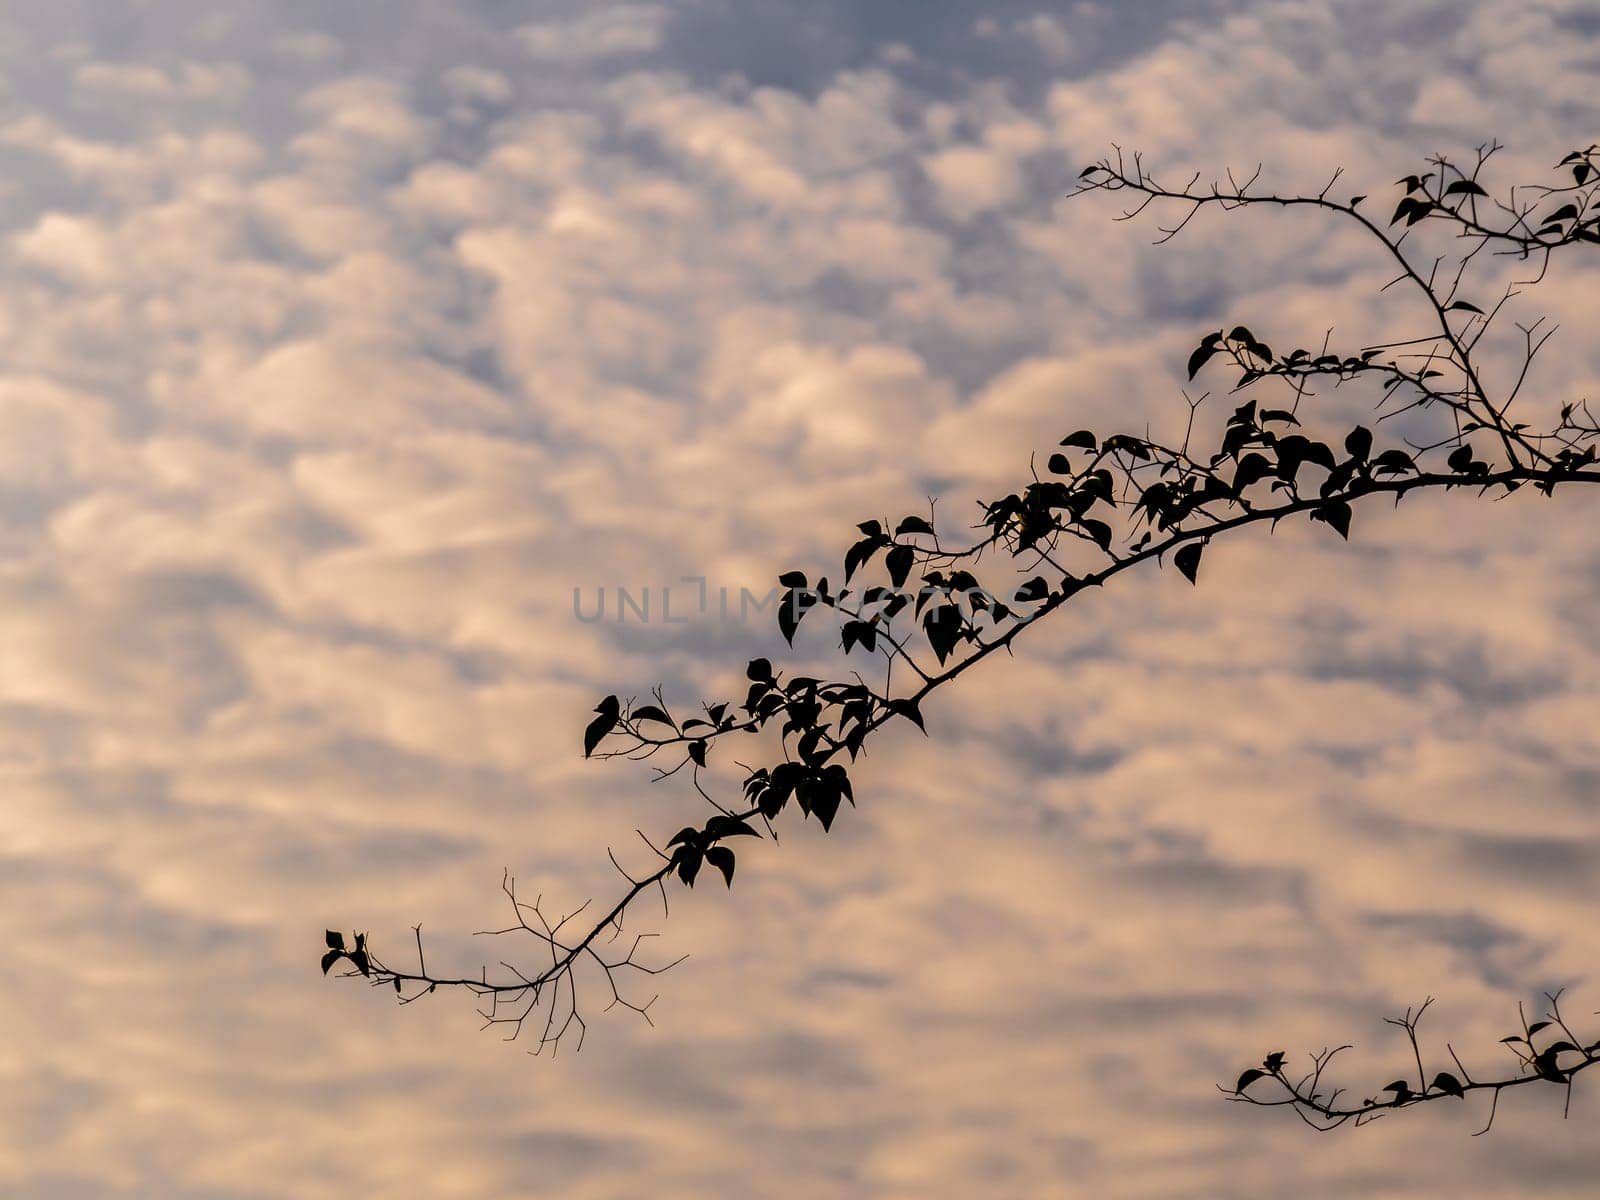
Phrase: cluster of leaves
x=337 y=951
x=912 y=600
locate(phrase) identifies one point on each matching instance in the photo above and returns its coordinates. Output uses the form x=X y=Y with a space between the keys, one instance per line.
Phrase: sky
x=342 y=345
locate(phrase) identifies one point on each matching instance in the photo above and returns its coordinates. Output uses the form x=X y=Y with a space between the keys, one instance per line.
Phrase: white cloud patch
x=605 y=32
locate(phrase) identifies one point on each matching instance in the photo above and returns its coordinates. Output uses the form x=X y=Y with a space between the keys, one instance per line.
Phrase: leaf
x=1099 y=531
x=899 y=562
x=1337 y=514
x=1465 y=306
x=1059 y=464
x=1536 y=1026
x=1464 y=187
x=863 y=632
x=1394 y=462
x=1246 y=1079
x=649 y=712
x=689 y=860
x=1355 y=200
x=1400 y=1088
x=943 y=627
x=1187 y=560
x=335 y=939
x=358 y=959
x=597 y=729
x=862 y=552
x=331 y=957
x=697 y=752
x=1083 y=438
x=721 y=858
x=1460 y=458
x=1034 y=589
x=722 y=826
x=1448 y=1084
x=759 y=670
x=1544 y=1065
x=1358 y=443
x=793 y=579
x=790 y=611
x=912 y=525
x=1252 y=467
x=825 y=806
x=1199 y=358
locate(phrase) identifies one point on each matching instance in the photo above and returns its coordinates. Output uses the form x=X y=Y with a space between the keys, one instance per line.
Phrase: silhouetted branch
x=1558 y=1061
x=1103 y=506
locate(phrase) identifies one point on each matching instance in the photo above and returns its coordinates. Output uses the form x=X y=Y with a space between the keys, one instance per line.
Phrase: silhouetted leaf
x=331 y=957
x=335 y=939
x=1448 y=1084
x=912 y=525
x=1464 y=187
x=862 y=552
x=1099 y=531
x=1460 y=458
x=863 y=632
x=943 y=627
x=649 y=712
x=1059 y=465
x=721 y=858
x=1083 y=438
x=358 y=959
x=1393 y=462
x=1035 y=589
x=1187 y=560
x=697 y=752
x=793 y=579
x=1252 y=467
x=1337 y=514
x=825 y=805
x=1544 y=1065
x=1246 y=1079
x=597 y=729
x=1202 y=355
x=900 y=561
x=1465 y=306
x=1358 y=443
x=791 y=610
x=723 y=826
x=760 y=670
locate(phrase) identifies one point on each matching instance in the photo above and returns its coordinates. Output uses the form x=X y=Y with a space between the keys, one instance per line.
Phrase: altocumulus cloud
x=340 y=346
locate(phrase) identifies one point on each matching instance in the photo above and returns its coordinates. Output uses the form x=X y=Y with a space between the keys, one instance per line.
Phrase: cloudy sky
x=340 y=343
